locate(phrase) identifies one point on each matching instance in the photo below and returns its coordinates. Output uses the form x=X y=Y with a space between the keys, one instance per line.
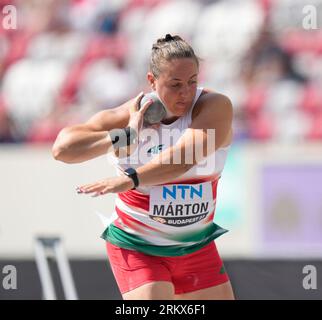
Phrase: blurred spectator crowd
x=70 y=59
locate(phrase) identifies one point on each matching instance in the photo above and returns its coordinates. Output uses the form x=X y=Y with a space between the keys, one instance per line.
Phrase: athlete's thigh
x=223 y=291
x=156 y=290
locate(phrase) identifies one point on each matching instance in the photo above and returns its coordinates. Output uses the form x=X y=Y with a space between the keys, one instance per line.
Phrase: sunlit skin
x=176 y=85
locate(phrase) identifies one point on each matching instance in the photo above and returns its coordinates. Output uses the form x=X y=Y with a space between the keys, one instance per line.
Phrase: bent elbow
x=60 y=145
x=60 y=154
x=57 y=153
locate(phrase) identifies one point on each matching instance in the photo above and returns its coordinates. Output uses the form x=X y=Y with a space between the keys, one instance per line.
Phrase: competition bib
x=181 y=205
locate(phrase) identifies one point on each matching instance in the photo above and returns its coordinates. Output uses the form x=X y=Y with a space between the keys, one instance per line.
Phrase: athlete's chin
x=180 y=113
x=181 y=108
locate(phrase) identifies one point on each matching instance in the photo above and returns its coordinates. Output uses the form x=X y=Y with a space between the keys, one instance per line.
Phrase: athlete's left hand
x=109 y=185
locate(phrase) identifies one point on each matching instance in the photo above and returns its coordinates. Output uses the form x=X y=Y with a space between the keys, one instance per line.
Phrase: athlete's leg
x=202 y=275
x=223 y=291
x=140 y=276
x=157 y=290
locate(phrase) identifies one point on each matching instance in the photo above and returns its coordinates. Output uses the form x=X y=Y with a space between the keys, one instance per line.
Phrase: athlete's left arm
x=213 y=111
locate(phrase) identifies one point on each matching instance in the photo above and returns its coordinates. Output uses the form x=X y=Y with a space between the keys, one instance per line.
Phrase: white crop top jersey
x=174 y=218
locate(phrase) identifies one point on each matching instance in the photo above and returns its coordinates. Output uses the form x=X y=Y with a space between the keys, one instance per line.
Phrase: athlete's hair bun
x=168 y=37
x=167 y=48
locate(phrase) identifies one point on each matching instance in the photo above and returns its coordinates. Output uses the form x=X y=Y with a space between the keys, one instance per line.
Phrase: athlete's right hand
x=136 y=113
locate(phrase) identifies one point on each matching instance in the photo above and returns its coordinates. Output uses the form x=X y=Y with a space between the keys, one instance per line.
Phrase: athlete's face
x=176 y=84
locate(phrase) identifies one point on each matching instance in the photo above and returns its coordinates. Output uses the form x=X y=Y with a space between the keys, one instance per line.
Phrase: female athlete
x=160 y=241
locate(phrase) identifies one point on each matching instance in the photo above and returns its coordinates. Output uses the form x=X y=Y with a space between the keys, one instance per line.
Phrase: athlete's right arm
x=86 y=141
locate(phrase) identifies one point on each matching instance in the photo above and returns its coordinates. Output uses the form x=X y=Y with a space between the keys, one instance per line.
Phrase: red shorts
x=194 y=271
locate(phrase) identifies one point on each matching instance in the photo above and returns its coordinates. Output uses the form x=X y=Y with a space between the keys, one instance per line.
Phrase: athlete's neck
x=169 y=120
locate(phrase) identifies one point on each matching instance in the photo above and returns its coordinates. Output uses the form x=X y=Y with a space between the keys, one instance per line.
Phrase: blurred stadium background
x=69 y=59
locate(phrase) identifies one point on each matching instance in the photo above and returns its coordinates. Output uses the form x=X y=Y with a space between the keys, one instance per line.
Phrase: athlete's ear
x=151 y=80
